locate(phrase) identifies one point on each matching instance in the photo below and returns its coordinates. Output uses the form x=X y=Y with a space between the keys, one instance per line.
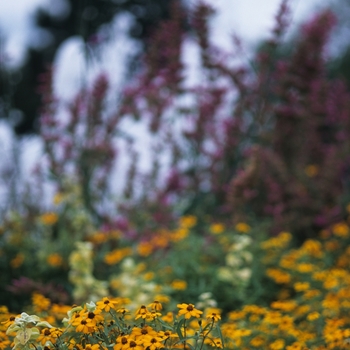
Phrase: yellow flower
x=188 y=221
x=92 y=347
x=217 y=228
x=106 y=304
x=40 y=302
x=139 y=333
x=145 y=249
x=313 y=316
x=311 y=170
x=341 y=230
x=285 y=305
x=54 y=260
x=313 y=248
x=17 y=261
x=278 y=276
x=82 y=326
x=9 y=321
x=153 y=342
x=305 y=268
x=257 y=341
x=215 y=342
x=142 y=312
x=301 y=286
x=156 y=306
x=277 y=344
x=188 y=310
x=297 y=346
x=213 y=316
x=94 y=317
x=179 y=284
x=169 y=317
x=49 y=218
x=49 y=334
x=125 y=342
x=117 y=255
x=242 y=227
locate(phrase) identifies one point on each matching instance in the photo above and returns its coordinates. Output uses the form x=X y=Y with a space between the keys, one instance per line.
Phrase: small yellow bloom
x=242 y=227
x=142 y=312
x=213 y=316
x=91 y=347
x=341 y=230
x=257 y=341
x=311 y=170
x=313 y=316
x=188 y=310
x=54 y=260
x=215 y=342
x=278 y=276
x=106 y=304
x=188 y=221
x=48 y=219
x=277 y=344
x=156 y=306
x=169 y=317
x=145 y=249
x=179 y=284
x=217 y=228
x=116 y=255
x=17 y=261
x=40 y=302
x=301 y=286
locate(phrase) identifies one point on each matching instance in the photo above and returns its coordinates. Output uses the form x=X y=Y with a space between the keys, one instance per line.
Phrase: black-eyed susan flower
x=153 y=343
x=106 y=304
x=214 y=342
x=9 y=321
x=123 y=310
x=82 y=326
x=156 y=306
x=126 y=342
x=167 y=334
x=142 y=312
x=188 y=310
x=213 y=316
x=146 y=330
x=93 y=318
x=49 y=335
x=92 y=347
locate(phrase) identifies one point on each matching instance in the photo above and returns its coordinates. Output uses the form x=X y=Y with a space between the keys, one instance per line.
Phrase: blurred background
x=267 y=137
x=112 y=34
x=82 y=38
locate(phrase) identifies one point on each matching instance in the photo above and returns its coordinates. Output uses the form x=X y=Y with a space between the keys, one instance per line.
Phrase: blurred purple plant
x=270 y=138
x=25 y=286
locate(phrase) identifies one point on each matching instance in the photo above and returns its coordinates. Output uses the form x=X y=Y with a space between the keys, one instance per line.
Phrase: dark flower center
x=189 y=308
